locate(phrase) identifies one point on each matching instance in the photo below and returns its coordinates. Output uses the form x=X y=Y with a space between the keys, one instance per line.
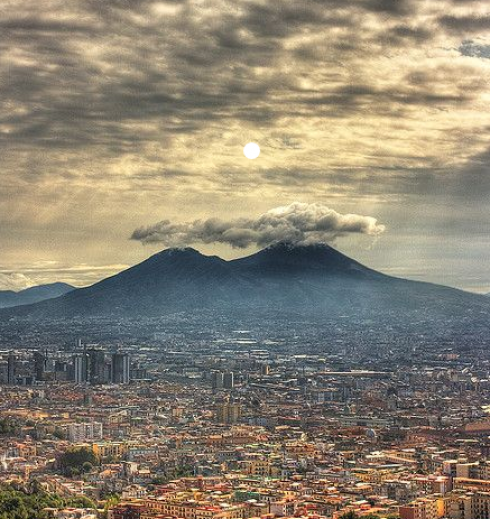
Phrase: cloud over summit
x=297 y=223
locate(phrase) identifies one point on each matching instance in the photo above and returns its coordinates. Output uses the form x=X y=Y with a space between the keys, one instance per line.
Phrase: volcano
x=314 y=280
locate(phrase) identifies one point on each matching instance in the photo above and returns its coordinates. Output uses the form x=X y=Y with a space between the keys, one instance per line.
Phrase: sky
x=123 y=122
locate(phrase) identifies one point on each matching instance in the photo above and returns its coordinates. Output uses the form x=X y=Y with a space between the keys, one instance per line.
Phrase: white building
x=82 y=432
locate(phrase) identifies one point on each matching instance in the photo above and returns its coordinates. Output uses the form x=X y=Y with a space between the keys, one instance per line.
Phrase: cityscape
x=237 y=425
x=244 y=259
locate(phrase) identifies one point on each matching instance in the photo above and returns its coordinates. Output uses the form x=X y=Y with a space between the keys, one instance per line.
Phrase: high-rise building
x=228 y=412
x=96 y=366
x=12 y=369
x=120 y=368
x=228 y=380
x=80 y=368
x=61 y=370
x=217 y=379
x=40 y=363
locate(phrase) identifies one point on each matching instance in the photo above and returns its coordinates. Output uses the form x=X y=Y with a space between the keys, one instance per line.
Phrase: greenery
x=9 y=427
x=20 y=504
x=159 y=480
x=59 y=433
x=171 y=474
x=112 y=501
x=77 y=460
x=353 y=515
x=349 y=515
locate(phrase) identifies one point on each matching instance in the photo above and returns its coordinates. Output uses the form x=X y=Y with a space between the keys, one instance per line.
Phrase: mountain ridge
x=12 y=298
x=309 y=279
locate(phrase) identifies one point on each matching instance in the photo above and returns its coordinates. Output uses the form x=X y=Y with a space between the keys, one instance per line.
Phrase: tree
x=73 y=460
x=81 y=502
x=159 y=480
x=87 y=467
x=111 y=502
x=9 y=427
x=18 y=504
x=59 y=433
x=349 y=515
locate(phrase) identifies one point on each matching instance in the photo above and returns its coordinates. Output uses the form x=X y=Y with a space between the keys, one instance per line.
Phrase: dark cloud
x=471 y=181
x=403 y=35
x=297 y=223
x=474 y=49
x=385 y=7
x=352 y=98
x=79 y=70
x=464 y=184
x=465 y=24
x=393 y=7
x=35 y=25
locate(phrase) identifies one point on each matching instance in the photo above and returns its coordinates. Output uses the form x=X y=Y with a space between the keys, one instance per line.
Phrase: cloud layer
x=297 y=223
x=113 y=109
x=14 y=281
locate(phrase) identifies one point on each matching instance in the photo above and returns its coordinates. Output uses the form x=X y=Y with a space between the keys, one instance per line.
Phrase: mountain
x=31 y=295
x=286 y=259
x=312 y=280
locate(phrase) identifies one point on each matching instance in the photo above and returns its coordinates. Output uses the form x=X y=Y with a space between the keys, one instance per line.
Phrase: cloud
x=14 y=281
x=297 y=223
x=474 y=49
x=465 y=24
x=110 y=109
x=42 y=273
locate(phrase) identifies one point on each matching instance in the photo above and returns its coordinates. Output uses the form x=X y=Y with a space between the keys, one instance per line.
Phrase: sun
x=251 y=150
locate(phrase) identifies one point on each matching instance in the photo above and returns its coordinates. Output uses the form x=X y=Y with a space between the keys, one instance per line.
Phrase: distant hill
x=315 y=281
x=9 y=298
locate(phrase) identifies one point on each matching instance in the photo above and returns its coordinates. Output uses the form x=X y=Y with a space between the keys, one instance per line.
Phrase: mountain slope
x=286 y=259
x=313 y=280
x=9 y=298
x=170 y=281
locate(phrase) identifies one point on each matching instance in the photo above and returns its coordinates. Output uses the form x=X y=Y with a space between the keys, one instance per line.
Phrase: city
x=239 y=430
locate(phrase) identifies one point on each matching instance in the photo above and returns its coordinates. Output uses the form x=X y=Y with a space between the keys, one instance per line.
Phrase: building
x=473 y=485
x=40 y=363
x=481 y=505
x=217 y=379
x=228 y=380
x=12 y=369
x=429 y=507
x=80 y=368
x=228 y=412
x=260 y=466
x=127 y=511
x=458 y=505
x=110 y=449
x=82 y=432
x=192 y=510
x=96 y=366
x=120 y=368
